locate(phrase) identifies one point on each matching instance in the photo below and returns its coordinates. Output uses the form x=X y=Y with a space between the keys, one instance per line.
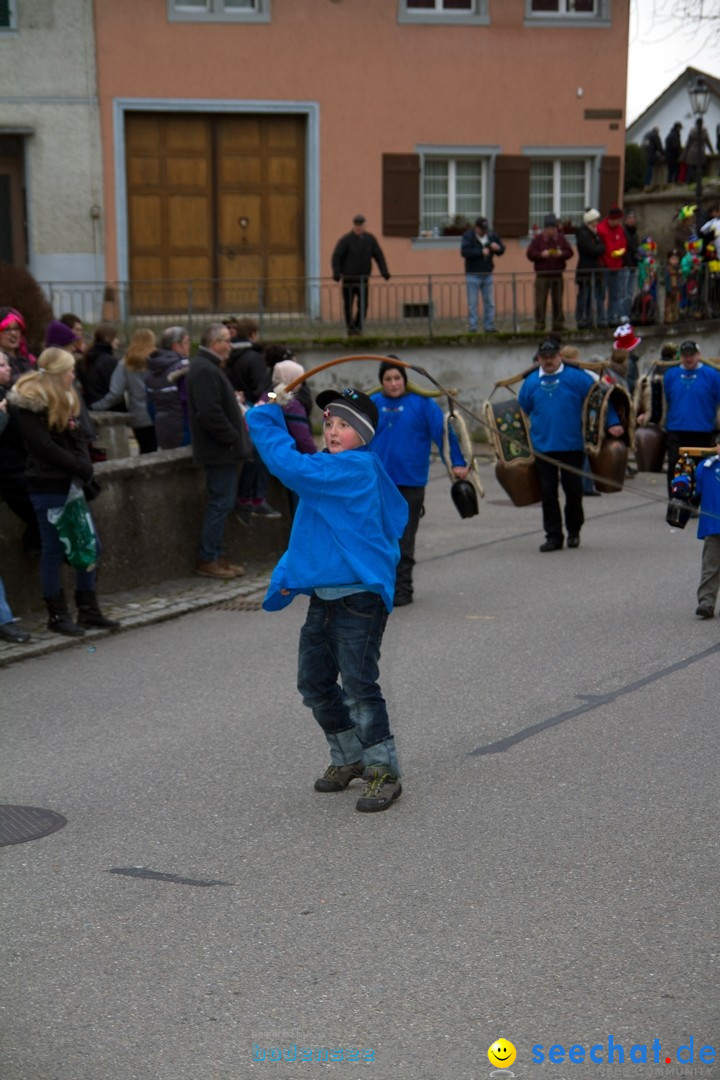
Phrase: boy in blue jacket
x=342 y=553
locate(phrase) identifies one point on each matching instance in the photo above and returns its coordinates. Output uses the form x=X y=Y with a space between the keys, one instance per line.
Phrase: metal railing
x=432 y=305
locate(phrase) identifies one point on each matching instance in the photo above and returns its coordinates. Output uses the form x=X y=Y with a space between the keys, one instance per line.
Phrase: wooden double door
x=216 y=212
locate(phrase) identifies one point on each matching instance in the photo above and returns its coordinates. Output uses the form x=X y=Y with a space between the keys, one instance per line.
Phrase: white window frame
x=12 y=28
x=591 y=155
x=484 y=154
x=479 y=16
x=567 y=17
x=215 y=11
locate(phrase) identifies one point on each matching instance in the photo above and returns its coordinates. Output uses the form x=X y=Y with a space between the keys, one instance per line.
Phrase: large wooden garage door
x=216 y=212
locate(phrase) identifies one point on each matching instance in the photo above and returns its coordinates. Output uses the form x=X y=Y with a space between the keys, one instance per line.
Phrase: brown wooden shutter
x=512 y=195
x=609 y=184
x=401 y=195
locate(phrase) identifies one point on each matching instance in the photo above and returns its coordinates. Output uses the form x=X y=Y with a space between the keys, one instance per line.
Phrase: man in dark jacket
x=219 y=440
x=251 y=376
x=589 y=275
x=673 y=150
x=478 y=247
x=549 y=251
x=352 y=262
x=653 y=149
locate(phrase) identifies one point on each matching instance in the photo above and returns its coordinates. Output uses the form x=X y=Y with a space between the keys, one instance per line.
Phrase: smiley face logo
x=502 y=1053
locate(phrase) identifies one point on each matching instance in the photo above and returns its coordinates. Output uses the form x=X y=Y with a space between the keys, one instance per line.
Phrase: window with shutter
x=401 y=195
x=219 y=10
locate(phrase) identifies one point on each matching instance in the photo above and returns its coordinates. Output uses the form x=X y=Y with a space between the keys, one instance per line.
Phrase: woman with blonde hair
x=47 y=409
x=128 y=378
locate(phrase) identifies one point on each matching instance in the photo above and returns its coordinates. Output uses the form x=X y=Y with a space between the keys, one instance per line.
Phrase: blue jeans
x=589 y=303
x=52 y=554
x=342 y=638
x=6 y=614
x=221 y=484
x=480 y=283
x=615 y=288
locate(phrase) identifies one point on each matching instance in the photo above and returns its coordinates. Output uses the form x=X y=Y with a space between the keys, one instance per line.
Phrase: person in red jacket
x=611 y=231
x=549 y=251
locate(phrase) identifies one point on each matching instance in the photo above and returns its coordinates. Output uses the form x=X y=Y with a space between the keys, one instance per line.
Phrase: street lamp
x=699 y=92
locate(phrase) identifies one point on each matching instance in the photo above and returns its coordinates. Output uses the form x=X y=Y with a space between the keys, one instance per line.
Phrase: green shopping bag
x=75 y=529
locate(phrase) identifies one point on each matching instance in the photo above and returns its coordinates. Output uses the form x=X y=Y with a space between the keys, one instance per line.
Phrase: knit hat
x=626 y=338
x=550 y=221
x=55 y=361
x=590 y=216
x=353 y=406
x=387 y=365
x=615 y=212
x=285 y=371
x=59 y=334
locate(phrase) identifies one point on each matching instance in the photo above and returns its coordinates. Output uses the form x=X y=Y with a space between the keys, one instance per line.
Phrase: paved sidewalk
x=138 y=607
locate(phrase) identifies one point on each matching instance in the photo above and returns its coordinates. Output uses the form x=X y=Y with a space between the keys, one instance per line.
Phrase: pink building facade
x=241 y=136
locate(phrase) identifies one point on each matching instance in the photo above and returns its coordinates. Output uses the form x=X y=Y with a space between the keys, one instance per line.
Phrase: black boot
x=89 y=614
x=60 y=620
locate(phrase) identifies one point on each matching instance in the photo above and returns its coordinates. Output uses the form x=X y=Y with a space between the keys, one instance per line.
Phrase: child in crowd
x=343 y=552
x=673 y=286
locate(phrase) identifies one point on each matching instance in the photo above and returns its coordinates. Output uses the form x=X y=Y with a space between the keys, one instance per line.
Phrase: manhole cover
x=21 y=823
x=241 y=603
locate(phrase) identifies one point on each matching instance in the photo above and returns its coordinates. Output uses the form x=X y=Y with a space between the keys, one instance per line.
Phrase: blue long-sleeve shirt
x=707 y=486
x=693 y=398
x=554 y=404
x=348 y=521
x=407 y=427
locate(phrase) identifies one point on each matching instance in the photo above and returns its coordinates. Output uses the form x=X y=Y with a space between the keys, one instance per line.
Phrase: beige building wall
x=48 y=98
x=373 y=85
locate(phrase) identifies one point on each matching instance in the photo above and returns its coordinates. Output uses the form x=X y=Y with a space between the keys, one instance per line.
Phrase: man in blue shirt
x=553 y=398
x=692 y=393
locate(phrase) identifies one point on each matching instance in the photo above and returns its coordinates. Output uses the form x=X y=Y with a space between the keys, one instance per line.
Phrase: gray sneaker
x=337 y=777
x=381 y=790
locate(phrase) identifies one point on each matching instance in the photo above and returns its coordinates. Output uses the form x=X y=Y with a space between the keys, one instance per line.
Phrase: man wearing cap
x=612 y=234
x=478 y=247
x=692 y=394
x=552 y=396
x=352 y=264
x=588 y=276
x=549 y=251
x=342 y=553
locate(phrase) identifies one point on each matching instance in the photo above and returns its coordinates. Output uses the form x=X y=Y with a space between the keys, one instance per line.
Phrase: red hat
x=626 y=338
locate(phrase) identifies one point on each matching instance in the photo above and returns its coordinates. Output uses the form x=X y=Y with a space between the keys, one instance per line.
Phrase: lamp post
x=699 y=92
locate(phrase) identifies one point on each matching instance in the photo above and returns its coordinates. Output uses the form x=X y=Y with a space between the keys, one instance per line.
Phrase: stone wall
x=148 y=515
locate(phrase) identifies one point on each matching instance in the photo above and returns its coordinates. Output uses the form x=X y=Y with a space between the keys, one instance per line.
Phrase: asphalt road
x=550 y=874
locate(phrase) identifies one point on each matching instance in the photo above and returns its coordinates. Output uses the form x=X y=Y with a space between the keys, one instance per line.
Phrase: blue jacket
x=707 y=486
x=692 y=398
x=407 y=426
x=554 y=404
x=348 y=521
